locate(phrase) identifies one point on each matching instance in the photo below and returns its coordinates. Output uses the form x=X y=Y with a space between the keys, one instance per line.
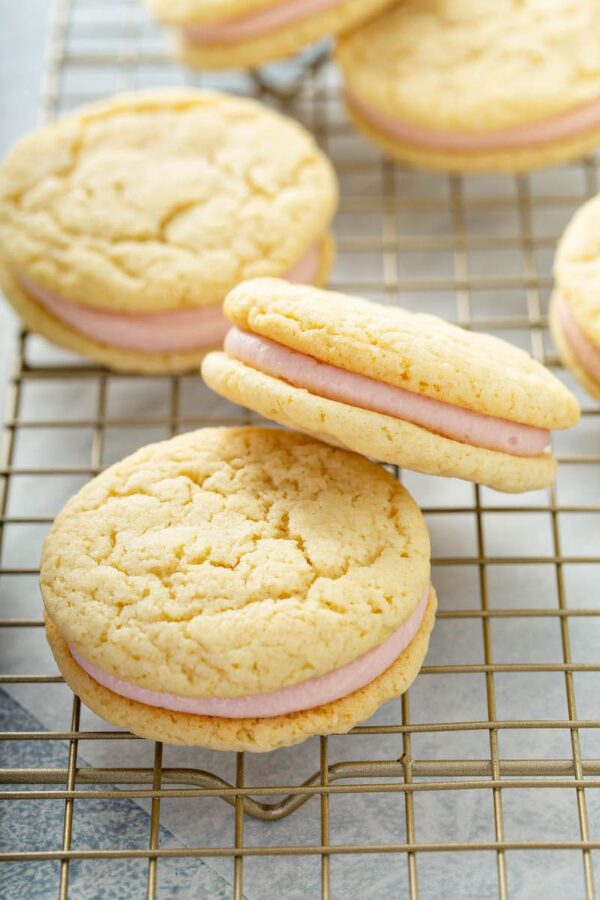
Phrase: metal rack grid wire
x=390 y=220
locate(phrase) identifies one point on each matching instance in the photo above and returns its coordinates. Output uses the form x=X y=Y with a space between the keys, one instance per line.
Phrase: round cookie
x=235 y=569
x=124 y=225
x=575 y=306
x=405 y=388
x=461 y=86
x=211 y=34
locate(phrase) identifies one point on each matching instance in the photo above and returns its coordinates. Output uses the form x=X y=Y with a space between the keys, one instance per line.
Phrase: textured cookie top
x=163 y=200
x=229 y=562
x=577 y=268
x=476 y=65
x=197 y=12
x=417 y=352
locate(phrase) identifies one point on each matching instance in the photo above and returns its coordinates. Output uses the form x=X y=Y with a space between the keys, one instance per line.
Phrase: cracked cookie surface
x=228 y=562
x=162 y=200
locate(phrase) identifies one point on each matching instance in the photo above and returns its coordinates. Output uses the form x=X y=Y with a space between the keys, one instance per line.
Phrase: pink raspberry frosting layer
x=586 y=352
x=168 y=332
x=306 y=695
x=255 y=24
x=545 y=131
x=320 y=378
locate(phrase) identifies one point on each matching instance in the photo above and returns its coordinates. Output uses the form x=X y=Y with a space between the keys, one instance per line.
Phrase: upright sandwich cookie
x=466 y=85
x=124 y=225
x=216 y=34
x=575 y=308
x=405 y=388
x=240 y=589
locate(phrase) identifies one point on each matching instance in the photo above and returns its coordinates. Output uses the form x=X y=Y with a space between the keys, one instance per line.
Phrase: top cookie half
x=468 y=84
x=162 y=201
x=577 y=269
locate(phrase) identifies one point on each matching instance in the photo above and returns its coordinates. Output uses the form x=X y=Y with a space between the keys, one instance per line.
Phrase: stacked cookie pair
x=454 y=85
x=472 y=86
x=247 y=588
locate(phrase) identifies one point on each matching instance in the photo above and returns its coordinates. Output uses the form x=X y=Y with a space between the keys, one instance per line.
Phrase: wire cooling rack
x=483 y=780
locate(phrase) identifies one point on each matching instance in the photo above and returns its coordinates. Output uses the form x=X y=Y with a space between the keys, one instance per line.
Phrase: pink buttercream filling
x=545 y=131
x=586 y=352
x=258 y=23
x=320 y=378
x=306 y=695
x=164 y=332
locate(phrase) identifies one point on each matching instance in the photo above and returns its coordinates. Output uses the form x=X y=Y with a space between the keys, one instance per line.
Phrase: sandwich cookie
x=240 y=589
x=575 y=306
x=405 y=388
x=124 y=225
x=466 y=86
x=212 y=34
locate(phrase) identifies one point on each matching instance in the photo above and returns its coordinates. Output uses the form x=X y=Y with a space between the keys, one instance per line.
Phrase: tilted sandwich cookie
x=405 y=388
x=216 y=34
x=466 y=85
x=124 y=225
x=575 y=308
x=240 y=589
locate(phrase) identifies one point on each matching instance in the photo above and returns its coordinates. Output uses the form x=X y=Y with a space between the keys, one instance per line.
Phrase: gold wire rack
x=478 y=251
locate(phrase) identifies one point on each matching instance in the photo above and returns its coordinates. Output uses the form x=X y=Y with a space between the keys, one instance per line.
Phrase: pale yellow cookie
x=575 y=309
x=461 y=85
x=464 y=372
x=230 y=563
x=271 y=34
x=157 y=204
x=524 y=160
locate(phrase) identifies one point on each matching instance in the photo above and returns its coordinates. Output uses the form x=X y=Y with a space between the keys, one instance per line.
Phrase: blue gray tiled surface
x=97 y=824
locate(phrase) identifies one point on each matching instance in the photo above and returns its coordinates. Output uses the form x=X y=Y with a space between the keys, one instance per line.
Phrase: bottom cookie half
x=257 y=735
x=373 y=434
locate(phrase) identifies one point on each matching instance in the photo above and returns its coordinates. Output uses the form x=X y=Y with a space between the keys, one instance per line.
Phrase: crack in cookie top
x=230 y=562
x=160 y=201
x=471 y=66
